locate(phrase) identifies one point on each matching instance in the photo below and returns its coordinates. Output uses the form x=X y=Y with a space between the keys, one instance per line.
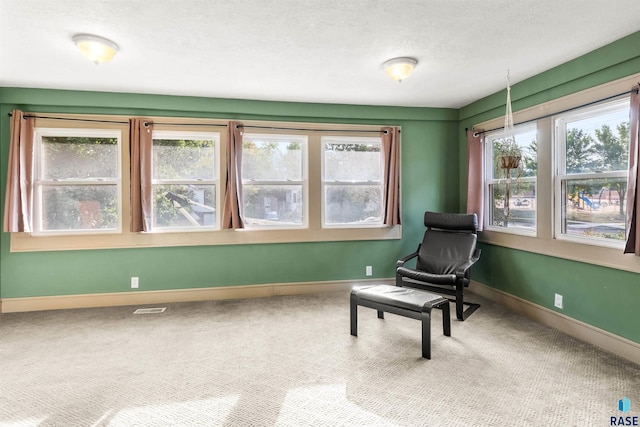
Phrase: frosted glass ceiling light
x=399 y=68
x=97 y=49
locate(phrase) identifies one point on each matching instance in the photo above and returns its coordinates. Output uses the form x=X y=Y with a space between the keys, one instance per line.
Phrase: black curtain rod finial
x=23 y=117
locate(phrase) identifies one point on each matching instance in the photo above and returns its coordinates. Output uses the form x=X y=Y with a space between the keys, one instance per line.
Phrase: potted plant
x=509 y=157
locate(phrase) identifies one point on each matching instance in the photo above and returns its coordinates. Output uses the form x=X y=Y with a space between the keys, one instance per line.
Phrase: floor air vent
x=150 y=310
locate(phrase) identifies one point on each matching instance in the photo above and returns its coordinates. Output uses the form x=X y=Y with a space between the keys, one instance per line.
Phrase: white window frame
x=490 y=180
x=560 y=174
x=544 y=242
x=40 y=182
x=197 y=135
x=311 y=231
x=303 y=140
x=324 y=182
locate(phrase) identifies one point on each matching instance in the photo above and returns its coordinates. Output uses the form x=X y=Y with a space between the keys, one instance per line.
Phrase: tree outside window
x=593 y=167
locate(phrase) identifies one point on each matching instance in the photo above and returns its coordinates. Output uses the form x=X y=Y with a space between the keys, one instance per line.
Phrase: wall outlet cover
x=558 y=301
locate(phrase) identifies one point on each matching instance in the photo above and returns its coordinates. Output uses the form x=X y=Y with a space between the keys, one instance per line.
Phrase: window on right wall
x=592 y=150
x=511 y=188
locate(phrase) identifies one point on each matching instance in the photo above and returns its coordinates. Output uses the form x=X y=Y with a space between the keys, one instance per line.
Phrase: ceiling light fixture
x=97 y=49
x=399 y=68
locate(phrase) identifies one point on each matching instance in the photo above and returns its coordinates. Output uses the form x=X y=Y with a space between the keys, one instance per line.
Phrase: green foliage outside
x=608 y=151
x=348 y=163
x=372 y=148
x=68 y=205
x=512 y=185
x=178 y=205
x=272 y=174
x=590 y=200
x=352 y=204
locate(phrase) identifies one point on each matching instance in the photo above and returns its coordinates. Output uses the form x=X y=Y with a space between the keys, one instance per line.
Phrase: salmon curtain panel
x=632 y=245
x=232 y=212
x=18 y=202
x=140 y=150
x=391 y=185
x=475 y=175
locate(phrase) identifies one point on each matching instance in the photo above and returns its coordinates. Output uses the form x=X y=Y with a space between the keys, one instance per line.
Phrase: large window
x=511 y=180
x=298 y=183
x=580 y=156
x=77 y=181
x=185 y=170
x=352 y=181
x=592 y=167
x=274 y=180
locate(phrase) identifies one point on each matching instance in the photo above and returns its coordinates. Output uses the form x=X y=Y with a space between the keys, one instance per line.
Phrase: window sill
x=25 y=242
x=591 y=254
x=513 y=231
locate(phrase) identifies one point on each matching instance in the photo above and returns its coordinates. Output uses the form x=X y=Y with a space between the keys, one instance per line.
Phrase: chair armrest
x=401 y=261
x=462 y=270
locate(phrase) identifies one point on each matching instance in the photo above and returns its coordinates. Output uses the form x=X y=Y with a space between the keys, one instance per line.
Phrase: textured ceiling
x=327 y=51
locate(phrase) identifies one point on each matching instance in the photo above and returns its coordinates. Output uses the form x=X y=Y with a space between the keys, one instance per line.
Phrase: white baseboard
x=583 y=331
x=60 y=302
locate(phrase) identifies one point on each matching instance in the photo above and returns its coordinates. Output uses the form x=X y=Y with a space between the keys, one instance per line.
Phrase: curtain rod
x=476 y=133
x=27 y=116
x=312 y=130
x=74 y=119
x=31 y=116
x=184 y=124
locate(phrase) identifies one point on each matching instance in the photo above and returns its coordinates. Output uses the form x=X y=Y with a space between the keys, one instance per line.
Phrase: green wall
x=429 y=148
x=604 y=297
x=600 y=296
x=433 y=177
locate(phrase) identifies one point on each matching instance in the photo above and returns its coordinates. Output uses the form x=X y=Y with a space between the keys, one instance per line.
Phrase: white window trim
x=560 y=174
x=324 y=183
x=27 y=242
x=490 y=180
x=304 y=182
x=188 y=134
x=544 y=243
x=40 y=182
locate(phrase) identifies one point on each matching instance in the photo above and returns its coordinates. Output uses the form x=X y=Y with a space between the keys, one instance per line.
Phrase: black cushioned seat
x=444 y=259
x=395 y=296
x=408 y=302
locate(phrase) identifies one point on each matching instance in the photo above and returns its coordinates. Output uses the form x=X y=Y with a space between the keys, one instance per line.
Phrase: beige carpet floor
x=290 y=361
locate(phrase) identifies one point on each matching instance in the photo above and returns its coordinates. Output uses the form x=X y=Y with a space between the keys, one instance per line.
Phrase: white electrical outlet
x=134 y=283
x=558 y=301
x=369 y=270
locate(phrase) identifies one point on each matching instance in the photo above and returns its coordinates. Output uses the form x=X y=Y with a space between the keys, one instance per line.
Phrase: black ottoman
x=407 y=302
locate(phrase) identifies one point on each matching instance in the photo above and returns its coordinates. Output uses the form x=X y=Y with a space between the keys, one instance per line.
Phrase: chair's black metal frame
x=458 y=275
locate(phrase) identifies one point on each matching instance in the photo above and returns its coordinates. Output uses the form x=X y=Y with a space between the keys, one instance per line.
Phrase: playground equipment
x=593 y=204
x=587 y=201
